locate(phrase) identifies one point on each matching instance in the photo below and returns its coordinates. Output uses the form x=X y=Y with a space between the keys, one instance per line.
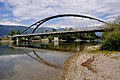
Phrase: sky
x=27 y=12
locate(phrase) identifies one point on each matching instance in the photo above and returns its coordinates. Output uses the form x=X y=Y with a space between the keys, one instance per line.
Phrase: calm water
x=36 y=61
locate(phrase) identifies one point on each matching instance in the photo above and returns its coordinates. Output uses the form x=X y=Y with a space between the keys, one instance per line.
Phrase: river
x=36 y=60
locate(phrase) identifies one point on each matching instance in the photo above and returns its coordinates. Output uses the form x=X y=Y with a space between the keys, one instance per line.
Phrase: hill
x=5 y=29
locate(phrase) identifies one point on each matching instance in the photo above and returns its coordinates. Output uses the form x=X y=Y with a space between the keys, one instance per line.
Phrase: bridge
x=78 y=30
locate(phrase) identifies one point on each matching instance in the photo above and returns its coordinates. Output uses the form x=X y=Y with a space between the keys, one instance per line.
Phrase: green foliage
x=13 y=32
x=111 y=38
x=18 y=32
x=112 y=41
x=46 y=31
x=83 y=36
x=104 y=35
x=90 y=36
x=68 y=37
x=36 y=38
x=50 y=38
x=111 y=26
x=117 y=21
x=54 y=29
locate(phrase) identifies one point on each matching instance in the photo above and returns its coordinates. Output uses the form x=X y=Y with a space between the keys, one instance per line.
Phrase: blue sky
x=26 y=12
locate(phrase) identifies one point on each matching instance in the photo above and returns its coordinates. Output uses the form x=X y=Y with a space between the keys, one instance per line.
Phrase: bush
x=112 y=41
x=111 y=38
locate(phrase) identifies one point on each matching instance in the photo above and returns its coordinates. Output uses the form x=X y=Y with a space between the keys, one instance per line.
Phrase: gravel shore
x=86 y=66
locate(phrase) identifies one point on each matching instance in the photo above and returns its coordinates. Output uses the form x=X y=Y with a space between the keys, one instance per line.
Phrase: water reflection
x=57 y=46
x=56 y=43
x=32 y=64
x=39 y=59
x=36 y=61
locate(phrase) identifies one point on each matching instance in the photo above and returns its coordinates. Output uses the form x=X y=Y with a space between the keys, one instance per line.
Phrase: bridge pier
x=56 y=39
x=17 y=40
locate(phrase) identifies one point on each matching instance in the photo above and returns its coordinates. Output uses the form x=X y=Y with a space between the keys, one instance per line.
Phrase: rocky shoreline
x=89 y=66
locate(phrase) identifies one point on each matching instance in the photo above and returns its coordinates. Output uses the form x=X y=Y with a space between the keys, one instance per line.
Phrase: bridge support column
x=17 y=40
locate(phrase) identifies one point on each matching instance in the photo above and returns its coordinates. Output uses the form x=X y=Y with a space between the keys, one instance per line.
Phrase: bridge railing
x=74 y=30
x=89 y=28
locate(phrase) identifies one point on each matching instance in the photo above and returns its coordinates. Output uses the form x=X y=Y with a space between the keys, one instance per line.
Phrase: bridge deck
x=61 y=32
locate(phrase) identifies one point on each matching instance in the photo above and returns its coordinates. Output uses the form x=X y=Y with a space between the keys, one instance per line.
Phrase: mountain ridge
x=5 y=29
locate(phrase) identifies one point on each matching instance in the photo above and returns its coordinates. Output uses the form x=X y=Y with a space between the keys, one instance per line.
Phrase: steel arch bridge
x=40 y=22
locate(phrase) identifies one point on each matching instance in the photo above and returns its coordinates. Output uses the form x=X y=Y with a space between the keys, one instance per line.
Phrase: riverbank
x=6 y=41
x=92 y=64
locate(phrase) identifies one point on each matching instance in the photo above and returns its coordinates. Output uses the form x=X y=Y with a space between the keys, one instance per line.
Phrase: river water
x=36 y=61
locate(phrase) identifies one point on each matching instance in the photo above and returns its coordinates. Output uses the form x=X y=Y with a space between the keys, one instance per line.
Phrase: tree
x=111 y=26
x=18 y=32
x=111 y=38
x=117 y=21
x=46 y=30
x=66 y=29
x=13 y=32
x=53 y=30
x=112 y=42
x=88 y=36
x=70 y=29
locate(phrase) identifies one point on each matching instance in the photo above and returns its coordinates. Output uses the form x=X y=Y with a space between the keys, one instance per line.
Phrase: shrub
x=112 y=41
x=111 y=38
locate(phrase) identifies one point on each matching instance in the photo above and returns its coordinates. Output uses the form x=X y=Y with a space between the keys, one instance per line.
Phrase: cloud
x=39 y=9
x=71 y=22
x=10 y=23
x=112 y=17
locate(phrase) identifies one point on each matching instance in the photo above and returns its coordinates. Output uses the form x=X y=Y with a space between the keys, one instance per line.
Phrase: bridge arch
x=40 y=22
